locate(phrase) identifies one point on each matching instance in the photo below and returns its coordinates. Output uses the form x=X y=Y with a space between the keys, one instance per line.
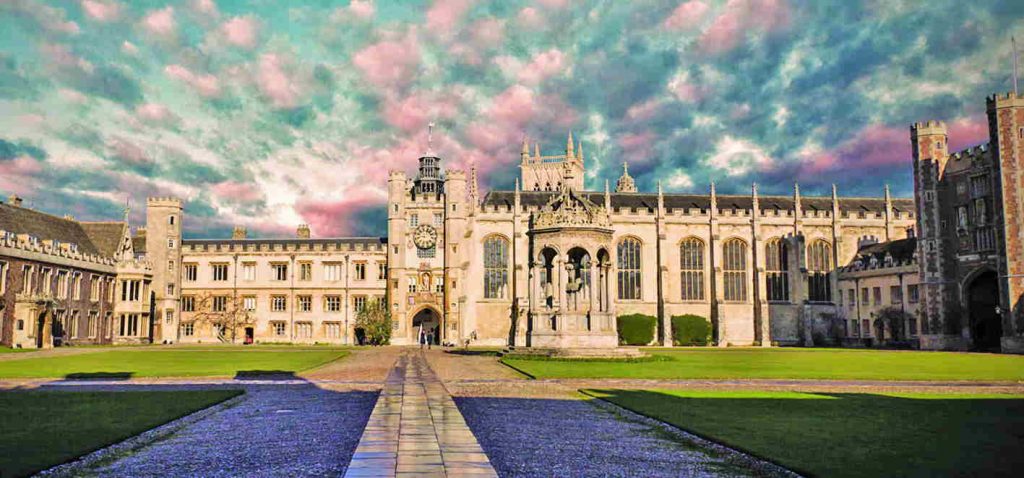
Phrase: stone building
x=882 y=275
x=69 y=282
x=300 y=290
x=971 y=228
x=553 y=267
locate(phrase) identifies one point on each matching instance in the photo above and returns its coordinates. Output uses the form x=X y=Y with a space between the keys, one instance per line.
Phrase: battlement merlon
x=927 y=128
x=157 y=201
x=1005 y=100
x=457 y=174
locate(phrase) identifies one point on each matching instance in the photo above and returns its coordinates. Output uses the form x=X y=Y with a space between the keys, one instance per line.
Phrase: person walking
x=422 y=337
x=430 y=339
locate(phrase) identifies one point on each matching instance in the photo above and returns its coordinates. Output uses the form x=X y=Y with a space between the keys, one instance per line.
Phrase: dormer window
x=73 y=247
x=32 y=240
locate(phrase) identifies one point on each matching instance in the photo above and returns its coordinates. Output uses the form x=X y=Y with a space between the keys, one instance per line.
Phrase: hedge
x=690 y=329
x=636 y=329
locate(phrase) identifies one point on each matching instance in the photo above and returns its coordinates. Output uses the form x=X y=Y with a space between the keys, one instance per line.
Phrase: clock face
x=425 y=236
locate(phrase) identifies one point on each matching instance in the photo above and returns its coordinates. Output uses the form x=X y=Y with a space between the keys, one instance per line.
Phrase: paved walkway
x=416 y=429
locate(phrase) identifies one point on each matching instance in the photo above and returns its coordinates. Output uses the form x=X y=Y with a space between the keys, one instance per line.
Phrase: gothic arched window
x=629 y=269
x=691 y=266
x=734 y=267
x=495 y=267
x=777 y=270
x=819 y=268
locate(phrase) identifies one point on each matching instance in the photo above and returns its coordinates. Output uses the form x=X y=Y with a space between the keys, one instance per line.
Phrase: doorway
x=426 y=324
x=249 y=335
x=982 y=300
x=40 y=330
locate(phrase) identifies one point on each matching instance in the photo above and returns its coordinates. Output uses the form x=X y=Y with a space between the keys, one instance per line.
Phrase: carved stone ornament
x=569 y=209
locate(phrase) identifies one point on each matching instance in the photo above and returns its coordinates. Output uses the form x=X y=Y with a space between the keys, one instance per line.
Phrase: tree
x=229 y=316
x=375 y=320
x=894 y=319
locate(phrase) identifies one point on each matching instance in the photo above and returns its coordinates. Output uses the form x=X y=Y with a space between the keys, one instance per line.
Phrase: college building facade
x=552 y=264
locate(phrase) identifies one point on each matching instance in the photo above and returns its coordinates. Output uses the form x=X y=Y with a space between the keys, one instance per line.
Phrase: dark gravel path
x=571 y=437
x=278 y=430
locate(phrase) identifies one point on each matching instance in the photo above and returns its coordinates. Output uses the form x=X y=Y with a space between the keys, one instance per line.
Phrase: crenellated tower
x=1006 y=131
x=163 y=249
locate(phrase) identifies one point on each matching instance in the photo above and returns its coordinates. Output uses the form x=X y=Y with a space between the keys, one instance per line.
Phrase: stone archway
x=427 y=320
x=982 y=297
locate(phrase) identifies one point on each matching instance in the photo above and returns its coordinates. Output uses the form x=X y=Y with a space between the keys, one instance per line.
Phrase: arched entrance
x=427 y=323
x=982 y=300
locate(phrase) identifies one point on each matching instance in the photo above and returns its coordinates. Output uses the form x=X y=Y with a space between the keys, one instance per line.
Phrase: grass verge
x=42 y=429
x=174 y=362
x=843 y=434
x=779 y=363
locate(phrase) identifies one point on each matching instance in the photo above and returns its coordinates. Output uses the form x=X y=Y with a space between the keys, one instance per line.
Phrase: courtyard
x=389 y=411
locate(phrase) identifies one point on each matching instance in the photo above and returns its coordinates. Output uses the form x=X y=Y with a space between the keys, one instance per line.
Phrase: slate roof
x=106 y=236
x=902 y=250
x=139 y=244
x=641 y=201
x=91 y=238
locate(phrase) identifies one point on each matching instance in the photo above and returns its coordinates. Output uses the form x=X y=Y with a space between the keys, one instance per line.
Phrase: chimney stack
x=303 y=231
x=238 y=233
x=15 y=200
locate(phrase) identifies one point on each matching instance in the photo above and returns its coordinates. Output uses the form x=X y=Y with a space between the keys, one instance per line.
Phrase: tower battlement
x=164 y=201
x=927 y=128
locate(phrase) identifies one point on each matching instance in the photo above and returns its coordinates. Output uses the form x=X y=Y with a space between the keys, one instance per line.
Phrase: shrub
x=636 y=329
x=375 y=320
x=690 y=329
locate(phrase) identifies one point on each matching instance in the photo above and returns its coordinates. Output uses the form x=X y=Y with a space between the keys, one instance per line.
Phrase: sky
x=268 y=114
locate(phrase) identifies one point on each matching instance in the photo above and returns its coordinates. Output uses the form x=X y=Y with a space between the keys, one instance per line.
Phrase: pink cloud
x=338 y=218
x=155 y=113
x=362 y=8
x=554 y=4
x=738 y=19
x=487 y=33
x=205 y=84
x=530 y=19
x=61 y=57
x=871 y=148
x=968 y=131
x=389 y=63
x=444 y=15
x=637 y=147
x=129 y=151
x=241 y=31
x=276 y=84
x=160 y=22
x=16 y=176
x=237 y=191
x=207 y=8
x=686 y=16
x=103 y=11
x=542 y=66
x=511 y=112
x=415 y=111
x=643 y=111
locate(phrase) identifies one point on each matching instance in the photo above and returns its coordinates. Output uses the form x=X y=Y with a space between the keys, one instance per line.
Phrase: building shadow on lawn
x=105 y=376
x=849 y=434
x=266 y=375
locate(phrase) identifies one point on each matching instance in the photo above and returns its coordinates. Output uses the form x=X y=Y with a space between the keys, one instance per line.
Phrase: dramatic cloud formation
x=286 y=113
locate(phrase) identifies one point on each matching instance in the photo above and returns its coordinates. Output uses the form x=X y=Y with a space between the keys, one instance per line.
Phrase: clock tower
x=426 y=216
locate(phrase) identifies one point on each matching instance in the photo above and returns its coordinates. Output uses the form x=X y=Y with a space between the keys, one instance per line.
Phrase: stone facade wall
x=320 y=324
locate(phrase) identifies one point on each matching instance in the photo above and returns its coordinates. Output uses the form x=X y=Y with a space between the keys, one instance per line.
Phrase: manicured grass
x=172 y=362
x=850 y=434
x=8 y=350
x=43 y=429
x=778 y=363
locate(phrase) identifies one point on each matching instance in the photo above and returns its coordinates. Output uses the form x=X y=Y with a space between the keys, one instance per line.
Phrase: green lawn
x=174 y=362
x=43 y=429
x=8 y=350
x=850 y=434
x=788 y=363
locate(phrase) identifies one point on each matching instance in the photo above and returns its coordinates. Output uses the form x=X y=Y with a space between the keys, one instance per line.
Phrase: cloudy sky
x=269 y=114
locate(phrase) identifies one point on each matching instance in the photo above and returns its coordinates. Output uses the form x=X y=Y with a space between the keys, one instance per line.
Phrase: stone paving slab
x=417 y=430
